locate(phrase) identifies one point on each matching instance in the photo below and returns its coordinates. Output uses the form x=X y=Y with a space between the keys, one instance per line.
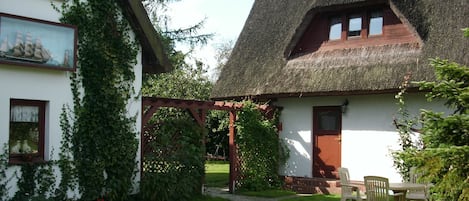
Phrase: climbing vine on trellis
x=103 y=135
x=174 y=159
x=260 y=150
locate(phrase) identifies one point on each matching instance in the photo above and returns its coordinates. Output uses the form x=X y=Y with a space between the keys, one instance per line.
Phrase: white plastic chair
x=417 y=194
x=348 y=191
x=377 y=189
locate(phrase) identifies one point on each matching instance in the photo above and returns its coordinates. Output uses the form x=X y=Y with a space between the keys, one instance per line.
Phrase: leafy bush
x=175 y=167
x=444 y=156
x=260 y=150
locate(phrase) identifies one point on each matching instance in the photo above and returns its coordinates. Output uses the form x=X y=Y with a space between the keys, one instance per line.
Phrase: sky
x=223 y=18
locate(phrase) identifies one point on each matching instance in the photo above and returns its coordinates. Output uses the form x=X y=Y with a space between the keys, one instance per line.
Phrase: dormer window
x=376 y=23
x=358 y=25
x=335 y=31
x=354 y=25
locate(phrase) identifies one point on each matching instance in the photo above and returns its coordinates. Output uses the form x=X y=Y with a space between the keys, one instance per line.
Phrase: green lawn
x=268 y=193
x=315 y=197
x=217 y=173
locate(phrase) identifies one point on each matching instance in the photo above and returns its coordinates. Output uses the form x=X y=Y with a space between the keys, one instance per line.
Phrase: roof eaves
x=156 y=60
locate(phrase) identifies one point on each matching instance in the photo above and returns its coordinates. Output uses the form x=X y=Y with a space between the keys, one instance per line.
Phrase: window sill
x=375 y=36
x=335 y=41
x=26 y=159
x=354 y=37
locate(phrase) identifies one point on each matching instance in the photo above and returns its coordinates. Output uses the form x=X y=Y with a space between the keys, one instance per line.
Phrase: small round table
x=403 y=187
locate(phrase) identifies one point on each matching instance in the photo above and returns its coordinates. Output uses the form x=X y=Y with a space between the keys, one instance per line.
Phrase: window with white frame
x=356 y=24
x=335 y=28
x=376 y=23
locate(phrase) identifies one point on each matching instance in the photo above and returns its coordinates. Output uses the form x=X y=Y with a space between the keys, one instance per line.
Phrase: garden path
x=223 y=193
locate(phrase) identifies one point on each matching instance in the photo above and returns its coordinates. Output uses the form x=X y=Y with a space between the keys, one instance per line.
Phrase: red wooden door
x=327 y=126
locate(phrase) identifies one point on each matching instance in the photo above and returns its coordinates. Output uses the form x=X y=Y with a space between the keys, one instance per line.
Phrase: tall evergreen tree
x=442 y=160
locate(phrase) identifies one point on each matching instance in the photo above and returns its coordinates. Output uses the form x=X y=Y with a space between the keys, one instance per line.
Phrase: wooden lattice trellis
x=198 y=110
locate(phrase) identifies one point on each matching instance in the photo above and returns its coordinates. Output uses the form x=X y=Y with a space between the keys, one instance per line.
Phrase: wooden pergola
x=198 y=110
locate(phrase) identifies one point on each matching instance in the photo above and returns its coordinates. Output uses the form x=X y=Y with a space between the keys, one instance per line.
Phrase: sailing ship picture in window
x=32 y=42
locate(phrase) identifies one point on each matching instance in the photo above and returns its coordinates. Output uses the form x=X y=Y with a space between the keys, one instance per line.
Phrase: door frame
x=315 y=131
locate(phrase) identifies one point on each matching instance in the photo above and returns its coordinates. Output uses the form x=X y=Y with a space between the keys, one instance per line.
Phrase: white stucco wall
x=52 y=86
x=134 y=108
x=368 y=133
x=18 y=82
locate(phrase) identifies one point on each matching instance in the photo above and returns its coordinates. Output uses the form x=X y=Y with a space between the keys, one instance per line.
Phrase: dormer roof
x=262 y=63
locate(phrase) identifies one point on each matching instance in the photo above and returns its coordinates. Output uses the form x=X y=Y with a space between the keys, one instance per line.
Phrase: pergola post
x=233 y=155
x=198 y=110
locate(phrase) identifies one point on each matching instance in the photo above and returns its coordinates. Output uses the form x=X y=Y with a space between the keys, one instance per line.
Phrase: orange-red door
x=327 y=126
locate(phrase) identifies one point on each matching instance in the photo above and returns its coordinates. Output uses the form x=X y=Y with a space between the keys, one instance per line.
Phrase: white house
x=33 y=91
x=334 y=67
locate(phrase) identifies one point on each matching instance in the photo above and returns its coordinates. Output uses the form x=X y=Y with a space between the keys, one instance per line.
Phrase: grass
x=268 y=193
x=217 y=173
x=315 y=197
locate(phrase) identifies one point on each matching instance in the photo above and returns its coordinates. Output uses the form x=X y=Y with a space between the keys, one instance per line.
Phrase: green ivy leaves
x=103 y=138
x=443 y=157
x=259 y=148
x=174 y=168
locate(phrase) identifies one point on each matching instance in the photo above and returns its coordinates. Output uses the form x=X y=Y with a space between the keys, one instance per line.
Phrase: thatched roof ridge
x=259 y=64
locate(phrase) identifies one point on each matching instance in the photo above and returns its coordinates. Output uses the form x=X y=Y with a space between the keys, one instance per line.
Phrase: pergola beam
x=198 y=109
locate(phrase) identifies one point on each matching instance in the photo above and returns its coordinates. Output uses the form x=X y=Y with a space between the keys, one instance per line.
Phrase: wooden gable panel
x=316 y=36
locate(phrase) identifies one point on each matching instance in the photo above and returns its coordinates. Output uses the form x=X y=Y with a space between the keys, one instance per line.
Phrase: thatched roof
x=154 y=59
x=260 y=65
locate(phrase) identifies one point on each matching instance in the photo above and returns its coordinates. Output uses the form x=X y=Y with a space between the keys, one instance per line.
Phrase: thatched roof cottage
x=334 y=67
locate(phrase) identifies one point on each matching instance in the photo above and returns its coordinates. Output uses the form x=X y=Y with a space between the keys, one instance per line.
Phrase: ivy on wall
x=103 y=139
x=36 y=183
x=3 y=173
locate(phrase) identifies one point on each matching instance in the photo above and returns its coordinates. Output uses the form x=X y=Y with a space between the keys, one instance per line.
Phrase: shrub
x=260 y=150
x=174 y=168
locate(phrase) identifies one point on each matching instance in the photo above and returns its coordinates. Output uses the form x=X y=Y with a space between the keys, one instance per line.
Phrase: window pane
x=335 y=28
x=354 y=25
x=24 y=129
x=24 y=137
x=24 y=113
x=376 y=23
x=328 y=120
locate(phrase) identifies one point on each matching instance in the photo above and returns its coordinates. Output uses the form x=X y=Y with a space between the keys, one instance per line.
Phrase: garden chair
x=417 y=194
x=377 y=189
x=348 y=191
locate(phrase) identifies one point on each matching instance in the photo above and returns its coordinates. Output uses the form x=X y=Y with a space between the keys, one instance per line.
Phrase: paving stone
x=223 y=193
